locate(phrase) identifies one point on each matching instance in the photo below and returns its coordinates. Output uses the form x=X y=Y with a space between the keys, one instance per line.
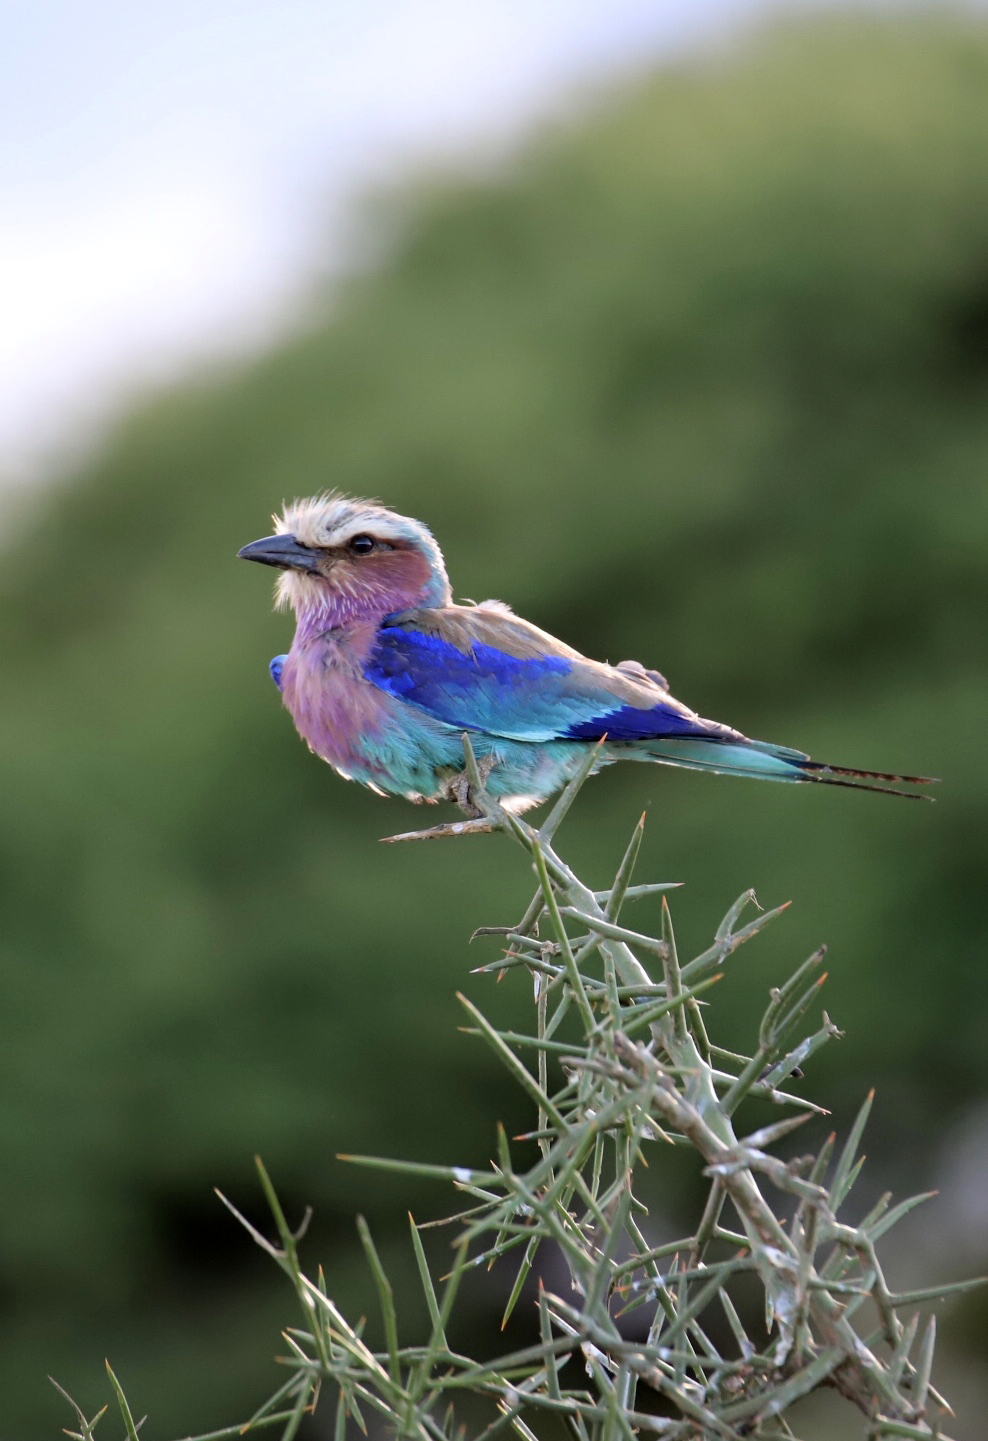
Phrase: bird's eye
x=362 y=544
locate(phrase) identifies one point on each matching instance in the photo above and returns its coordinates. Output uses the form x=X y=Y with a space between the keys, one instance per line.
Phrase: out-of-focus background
x=672 y=321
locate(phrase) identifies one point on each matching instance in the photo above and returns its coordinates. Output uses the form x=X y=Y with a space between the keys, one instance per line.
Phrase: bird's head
x=343 y=560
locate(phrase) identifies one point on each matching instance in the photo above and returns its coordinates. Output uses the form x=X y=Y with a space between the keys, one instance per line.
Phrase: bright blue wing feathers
x=629 y=723
x=275 y=666
x=483 y=689
x=525 y=687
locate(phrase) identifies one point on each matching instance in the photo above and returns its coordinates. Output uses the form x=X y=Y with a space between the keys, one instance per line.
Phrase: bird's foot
x=460 y=790
x=466 y=792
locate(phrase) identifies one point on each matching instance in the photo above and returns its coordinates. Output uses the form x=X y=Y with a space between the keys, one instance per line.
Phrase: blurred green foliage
x=702 y=381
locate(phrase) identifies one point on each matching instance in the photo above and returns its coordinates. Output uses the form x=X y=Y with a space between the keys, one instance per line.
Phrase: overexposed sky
x=169 y=174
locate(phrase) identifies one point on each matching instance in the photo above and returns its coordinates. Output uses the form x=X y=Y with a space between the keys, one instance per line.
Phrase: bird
x=386 y=674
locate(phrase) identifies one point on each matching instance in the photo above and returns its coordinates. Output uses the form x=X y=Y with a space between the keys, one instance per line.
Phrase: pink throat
x=329 y=611
x=324 y=608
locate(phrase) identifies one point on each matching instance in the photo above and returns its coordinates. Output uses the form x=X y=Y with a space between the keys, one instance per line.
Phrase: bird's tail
x=762 y=761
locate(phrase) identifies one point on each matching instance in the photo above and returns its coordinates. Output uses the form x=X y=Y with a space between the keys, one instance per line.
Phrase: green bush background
x=700 y=380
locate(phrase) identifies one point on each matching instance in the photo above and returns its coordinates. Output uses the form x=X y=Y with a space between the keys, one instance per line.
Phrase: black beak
x=283 y=551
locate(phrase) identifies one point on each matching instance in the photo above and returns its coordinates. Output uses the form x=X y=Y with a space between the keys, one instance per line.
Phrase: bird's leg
x=459 y=791
x=460 y=788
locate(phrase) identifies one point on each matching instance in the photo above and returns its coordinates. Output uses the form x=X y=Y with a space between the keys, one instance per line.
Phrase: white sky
x=169 y=174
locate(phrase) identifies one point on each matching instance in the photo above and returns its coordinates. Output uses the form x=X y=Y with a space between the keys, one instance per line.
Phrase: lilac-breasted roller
x=386 y=673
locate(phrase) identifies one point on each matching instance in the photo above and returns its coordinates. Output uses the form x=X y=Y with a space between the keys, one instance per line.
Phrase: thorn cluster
x=619 y=1062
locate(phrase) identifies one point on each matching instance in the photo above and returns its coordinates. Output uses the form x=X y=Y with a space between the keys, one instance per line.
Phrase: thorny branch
x=623 y=1062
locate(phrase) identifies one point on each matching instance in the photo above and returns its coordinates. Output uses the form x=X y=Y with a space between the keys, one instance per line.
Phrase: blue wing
x=490 y=672
x=484 y=670
x=275 y=666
